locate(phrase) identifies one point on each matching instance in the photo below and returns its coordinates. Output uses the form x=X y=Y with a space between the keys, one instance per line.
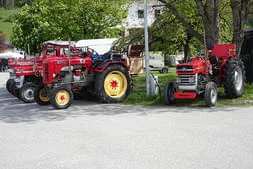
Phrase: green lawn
x=138 y=93
x=6 y=19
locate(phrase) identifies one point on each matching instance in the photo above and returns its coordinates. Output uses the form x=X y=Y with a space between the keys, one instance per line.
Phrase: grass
x=6 y=19
x=138 y=93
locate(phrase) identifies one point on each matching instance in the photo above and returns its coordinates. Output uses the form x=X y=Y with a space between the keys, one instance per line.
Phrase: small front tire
x=27 y=92
x=41 y=95
x=169 y=90
x=61 y=97
x=210 y=94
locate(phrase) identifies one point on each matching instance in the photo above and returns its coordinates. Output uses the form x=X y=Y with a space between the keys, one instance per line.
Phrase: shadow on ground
x=13 y=110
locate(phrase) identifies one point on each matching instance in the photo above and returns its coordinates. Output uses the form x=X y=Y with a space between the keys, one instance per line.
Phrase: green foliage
x=7 y=17
x=173 y=35
x=58 y=20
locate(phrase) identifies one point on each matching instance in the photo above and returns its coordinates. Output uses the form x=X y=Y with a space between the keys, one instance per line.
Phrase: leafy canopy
x=58 y=20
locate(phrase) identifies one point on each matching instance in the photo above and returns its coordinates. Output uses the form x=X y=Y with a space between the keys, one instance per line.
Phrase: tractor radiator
x=187 y=82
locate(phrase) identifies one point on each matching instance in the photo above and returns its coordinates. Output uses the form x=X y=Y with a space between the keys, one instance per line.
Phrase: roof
x=72 y=43
x=101 y=46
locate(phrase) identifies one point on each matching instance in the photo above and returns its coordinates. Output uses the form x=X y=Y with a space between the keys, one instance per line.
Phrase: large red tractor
x=25 y=74
x=201 y=76
x=104 y=77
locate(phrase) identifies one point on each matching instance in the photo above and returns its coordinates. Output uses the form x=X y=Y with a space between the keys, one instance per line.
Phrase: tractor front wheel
x=210 y=94
x=169 y=90
x=113 y=84
x=27 y=92
x=61 y=97
x=234 y=78
x=8 y=84
x=41 y=95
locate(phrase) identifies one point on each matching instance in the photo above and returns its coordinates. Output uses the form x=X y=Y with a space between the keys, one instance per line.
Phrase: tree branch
x=182 y=20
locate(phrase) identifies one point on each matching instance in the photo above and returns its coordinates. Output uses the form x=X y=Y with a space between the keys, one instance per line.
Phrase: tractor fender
x=101 y=67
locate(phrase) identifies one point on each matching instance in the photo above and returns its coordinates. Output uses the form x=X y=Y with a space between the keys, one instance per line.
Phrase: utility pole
x=146 y=48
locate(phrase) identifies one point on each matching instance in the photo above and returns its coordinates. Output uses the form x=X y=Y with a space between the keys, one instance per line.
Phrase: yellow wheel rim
x=62 y=97
x=44 y=95
x=115 y=84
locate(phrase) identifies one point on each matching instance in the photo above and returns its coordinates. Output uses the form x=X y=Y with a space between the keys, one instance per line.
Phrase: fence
x=3 y=78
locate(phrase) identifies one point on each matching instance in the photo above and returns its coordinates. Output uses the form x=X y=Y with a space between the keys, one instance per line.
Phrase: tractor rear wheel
x=113 y=84
x=61 y=97
x=41 y=95
x=8 y=84
x=27 y=92
x=169 y=90
x=210 y=96
x=234 y=78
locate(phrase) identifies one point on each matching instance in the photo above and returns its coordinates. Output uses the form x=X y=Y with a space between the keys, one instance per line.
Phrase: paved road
x=89 y=135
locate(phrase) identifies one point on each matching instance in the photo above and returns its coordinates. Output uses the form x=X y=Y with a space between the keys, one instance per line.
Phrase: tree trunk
x=187 y=47
x=211 y=20
x=240 y=16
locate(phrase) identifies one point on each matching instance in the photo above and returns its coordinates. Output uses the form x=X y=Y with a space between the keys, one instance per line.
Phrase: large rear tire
x=169 y=90
x=61 y=97
x=27 y=92
x=113 y=84
x=234 y=78
x=210 y=95
x=41 y=95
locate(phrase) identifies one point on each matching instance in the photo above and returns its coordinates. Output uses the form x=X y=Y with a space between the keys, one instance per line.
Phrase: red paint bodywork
x=199 y=65
x=33 y=67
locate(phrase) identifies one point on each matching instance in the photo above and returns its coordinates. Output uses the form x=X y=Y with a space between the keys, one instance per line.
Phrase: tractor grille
x=187 y=80
x=45 y=72
x=184 y=68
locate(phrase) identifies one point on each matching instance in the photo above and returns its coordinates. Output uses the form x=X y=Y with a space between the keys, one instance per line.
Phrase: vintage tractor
x=105 y=77
x=25 y=74
x=202 y=75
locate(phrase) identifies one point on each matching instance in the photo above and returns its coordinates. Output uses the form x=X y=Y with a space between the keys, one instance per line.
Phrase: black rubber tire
x=248 y=63
x=27 y=92
x=169 y=90
x=100 y=80
x=54 y=94
x=13 y=90
x=211 y=94
x=234 y=77
x=164 y=70
x=8 y=84
x=39 y=94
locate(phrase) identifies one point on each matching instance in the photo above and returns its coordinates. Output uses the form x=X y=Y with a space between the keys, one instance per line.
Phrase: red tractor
x=25 y=74
x=104 y=77
x=201 y=76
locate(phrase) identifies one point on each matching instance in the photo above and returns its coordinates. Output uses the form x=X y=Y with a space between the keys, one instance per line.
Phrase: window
x=140 y=14
x=157 y=13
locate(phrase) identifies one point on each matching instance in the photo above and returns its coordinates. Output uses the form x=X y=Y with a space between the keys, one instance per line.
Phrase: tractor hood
x=196 y=65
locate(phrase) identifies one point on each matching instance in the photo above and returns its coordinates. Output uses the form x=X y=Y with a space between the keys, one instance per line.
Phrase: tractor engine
x=192 y=75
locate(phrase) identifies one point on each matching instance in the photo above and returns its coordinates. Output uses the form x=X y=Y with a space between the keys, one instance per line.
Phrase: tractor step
x=185 y=95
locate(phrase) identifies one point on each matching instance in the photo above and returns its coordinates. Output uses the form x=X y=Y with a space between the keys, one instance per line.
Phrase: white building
x=135 y=18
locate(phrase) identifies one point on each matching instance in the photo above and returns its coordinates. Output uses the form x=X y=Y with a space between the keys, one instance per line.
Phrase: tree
x=218 y=23
x=58 y=20
x=240 y=9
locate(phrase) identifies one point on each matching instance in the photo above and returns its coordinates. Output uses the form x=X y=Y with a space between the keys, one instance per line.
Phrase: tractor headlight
x=55 y=75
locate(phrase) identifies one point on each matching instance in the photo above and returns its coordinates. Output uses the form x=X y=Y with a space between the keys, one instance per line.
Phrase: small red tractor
x=201 y=75
x=25 y=74
x=104 y=77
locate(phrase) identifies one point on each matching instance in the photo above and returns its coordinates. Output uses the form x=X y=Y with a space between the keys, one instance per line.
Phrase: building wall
x=133 y=21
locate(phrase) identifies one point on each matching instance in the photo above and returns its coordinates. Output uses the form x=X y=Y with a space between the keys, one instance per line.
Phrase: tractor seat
x=213 y=59
x=107 y=55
